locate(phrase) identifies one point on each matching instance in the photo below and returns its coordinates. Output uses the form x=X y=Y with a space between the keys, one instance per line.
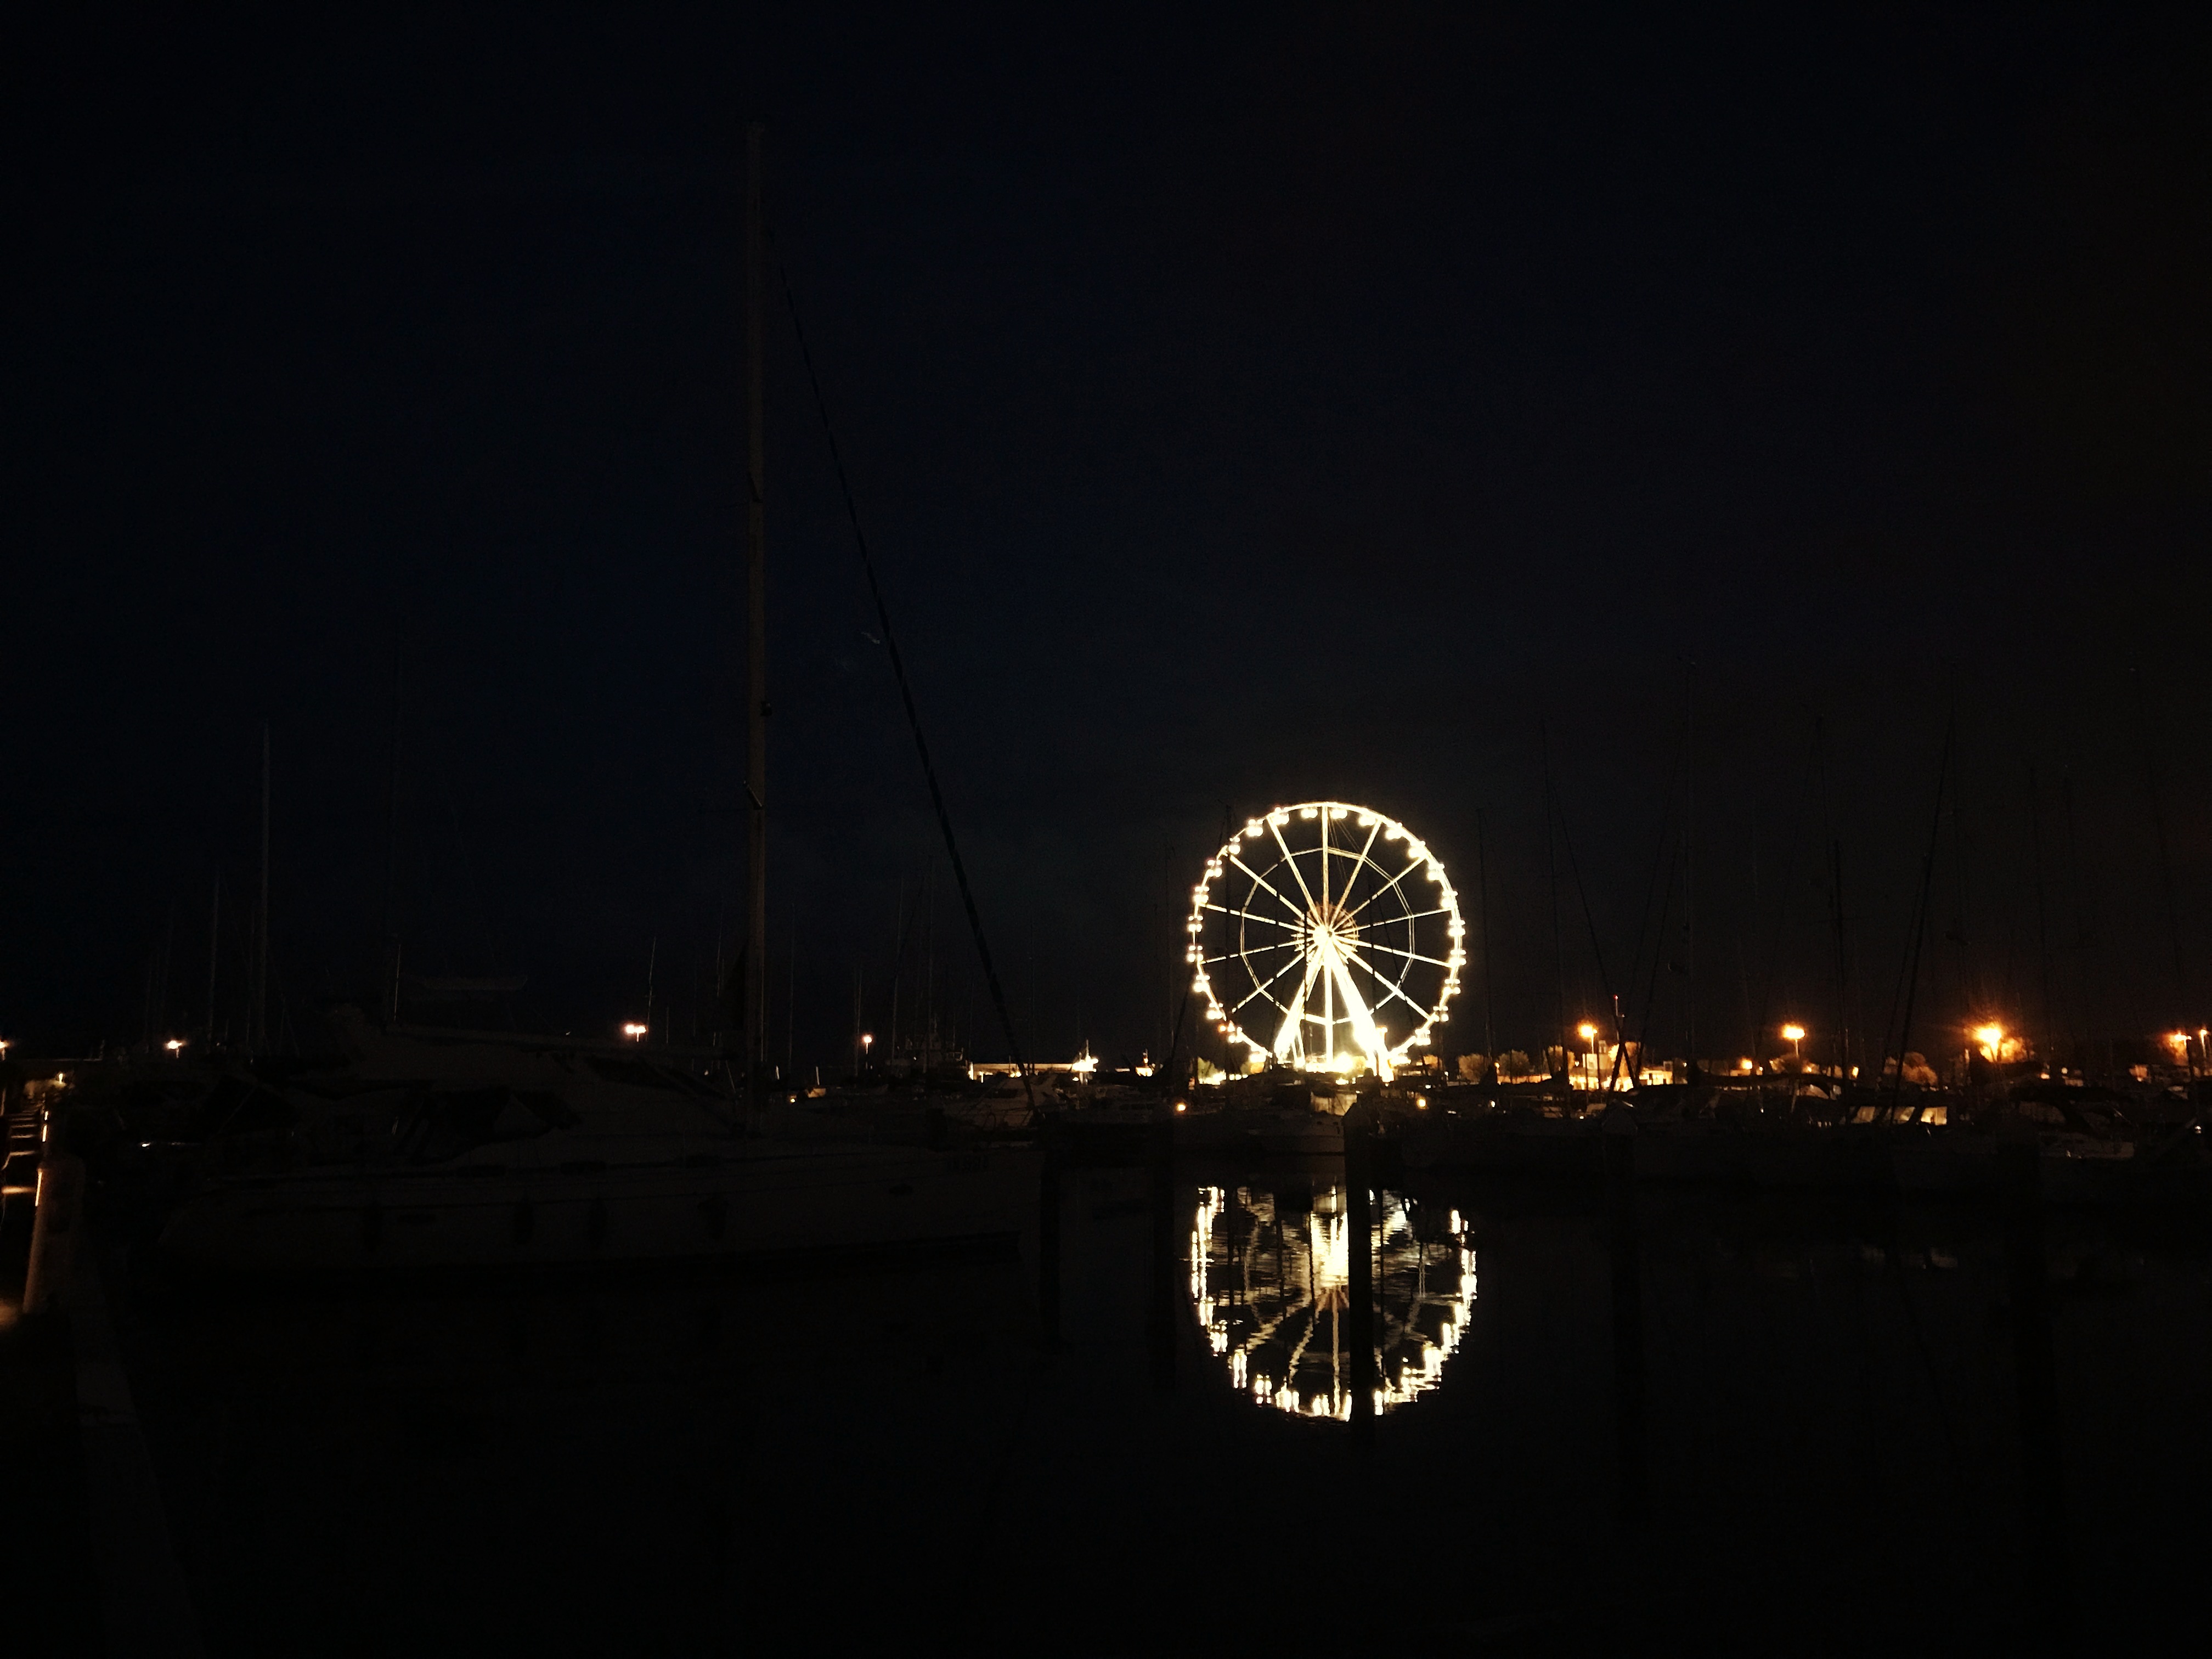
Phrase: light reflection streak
x=1269 y=1278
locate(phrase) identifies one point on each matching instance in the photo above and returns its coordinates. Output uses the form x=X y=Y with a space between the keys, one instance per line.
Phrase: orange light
x=1585 y=1030
x=1179 y=1106
x=632 y=1031
x=1793 y=1034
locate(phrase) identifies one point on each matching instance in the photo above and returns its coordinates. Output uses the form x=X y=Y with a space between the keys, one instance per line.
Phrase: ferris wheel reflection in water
x=1269 y=1279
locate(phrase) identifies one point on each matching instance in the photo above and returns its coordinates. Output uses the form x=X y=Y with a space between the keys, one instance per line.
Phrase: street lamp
x=634 y=1031
x=1991 y=1037
x=1587 y=1033
x=1795 y=1036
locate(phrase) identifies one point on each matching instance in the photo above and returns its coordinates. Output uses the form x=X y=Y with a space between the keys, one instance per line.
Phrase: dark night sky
x=1302 y=403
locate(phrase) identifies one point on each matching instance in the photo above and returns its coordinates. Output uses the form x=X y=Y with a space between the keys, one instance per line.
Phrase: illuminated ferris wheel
x=1326 y=936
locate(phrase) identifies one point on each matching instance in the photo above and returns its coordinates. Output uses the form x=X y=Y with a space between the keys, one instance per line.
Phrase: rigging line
x=1666 y=858
x=1782 y=904
x=1653 y=894
x=2152 y=781
x=1671 y=852
x=490 y=931
x=1920 y=917
x=905 y=693
x=1551 y=875
x=1604 y=979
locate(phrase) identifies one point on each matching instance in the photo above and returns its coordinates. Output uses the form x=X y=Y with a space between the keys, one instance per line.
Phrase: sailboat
x=418 y=1149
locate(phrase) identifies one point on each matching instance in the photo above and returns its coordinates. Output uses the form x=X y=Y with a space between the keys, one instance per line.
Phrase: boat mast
x=257 y=1024
x=214 y=941
x=391 y=965
x=754 y=961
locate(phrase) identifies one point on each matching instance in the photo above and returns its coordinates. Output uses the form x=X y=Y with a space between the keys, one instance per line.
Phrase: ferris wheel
x=1326 y=936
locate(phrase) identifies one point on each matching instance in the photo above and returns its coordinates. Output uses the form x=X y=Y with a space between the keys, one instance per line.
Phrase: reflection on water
x=1269 y=1276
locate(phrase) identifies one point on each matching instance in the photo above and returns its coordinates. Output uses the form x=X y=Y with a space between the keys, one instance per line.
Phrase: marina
x=1851 y=1359
x=1326 y=829
x=1087 y=1349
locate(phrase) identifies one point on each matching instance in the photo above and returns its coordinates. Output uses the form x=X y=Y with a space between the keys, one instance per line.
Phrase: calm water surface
x=1827 y=1453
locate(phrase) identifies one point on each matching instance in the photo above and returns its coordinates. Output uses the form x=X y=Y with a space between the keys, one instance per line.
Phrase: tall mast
x=391 y=963
x=257 y=1030
x=1482 y=889
x=214 y=940
x=1552 y=869
x=754 y=960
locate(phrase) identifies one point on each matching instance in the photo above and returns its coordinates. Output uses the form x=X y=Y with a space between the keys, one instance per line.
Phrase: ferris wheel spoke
x=1373 y=830
x=1413 y=956
x=1254 y=916
x=1259 y=989
x=1388 y=885
x=1261 y=882
x=1390 y=985
x=1412 y=915
x=1364 y=1035
x=1295 y=872
x=1256 y=950
x=1289 y=1034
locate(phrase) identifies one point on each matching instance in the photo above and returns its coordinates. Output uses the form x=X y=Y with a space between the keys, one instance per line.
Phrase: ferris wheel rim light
x=1324 y=938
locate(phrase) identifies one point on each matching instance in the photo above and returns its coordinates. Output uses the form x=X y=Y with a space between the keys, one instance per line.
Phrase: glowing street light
x=1991 y=1037
x=175 y=1045
x=1794 y=1034
x=634 y=1031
